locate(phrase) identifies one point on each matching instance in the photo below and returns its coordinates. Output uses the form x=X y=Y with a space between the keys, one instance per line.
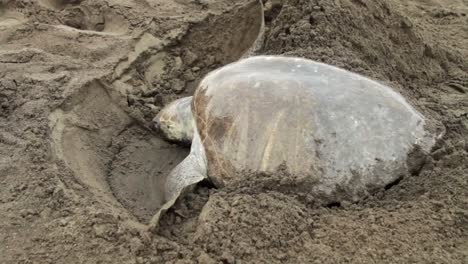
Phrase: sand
x=81 y=170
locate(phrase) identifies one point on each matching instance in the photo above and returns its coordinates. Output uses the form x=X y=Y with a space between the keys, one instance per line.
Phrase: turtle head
x=175 y=121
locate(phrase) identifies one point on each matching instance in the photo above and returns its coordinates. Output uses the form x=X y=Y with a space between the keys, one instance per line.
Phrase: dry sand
x=80 y=170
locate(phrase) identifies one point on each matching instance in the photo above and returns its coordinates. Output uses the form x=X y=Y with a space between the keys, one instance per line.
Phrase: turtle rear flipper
x=183 y=178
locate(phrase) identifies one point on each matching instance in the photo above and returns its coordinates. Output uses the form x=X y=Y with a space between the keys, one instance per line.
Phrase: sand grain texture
x=80 y=80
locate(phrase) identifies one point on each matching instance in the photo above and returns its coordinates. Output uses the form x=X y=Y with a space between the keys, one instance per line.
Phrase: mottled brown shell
x=316 y=120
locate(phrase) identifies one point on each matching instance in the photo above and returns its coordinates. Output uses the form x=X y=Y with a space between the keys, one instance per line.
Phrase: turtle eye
x=157 y=125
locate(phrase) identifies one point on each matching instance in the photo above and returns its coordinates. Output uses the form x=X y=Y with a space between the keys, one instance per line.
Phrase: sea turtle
x=338 y=133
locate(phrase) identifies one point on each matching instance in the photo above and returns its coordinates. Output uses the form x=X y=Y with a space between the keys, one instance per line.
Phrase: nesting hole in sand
x=123 y=164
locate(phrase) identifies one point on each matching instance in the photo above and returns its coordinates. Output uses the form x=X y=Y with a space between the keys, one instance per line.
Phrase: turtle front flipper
x=183 y=177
